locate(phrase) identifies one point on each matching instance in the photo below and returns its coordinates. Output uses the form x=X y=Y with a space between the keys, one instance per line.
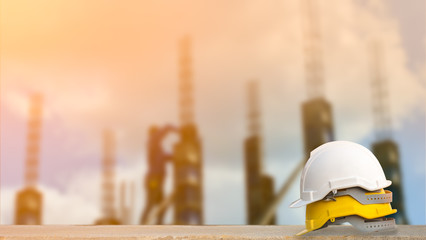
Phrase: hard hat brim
x=299 y=203
x=303 y=232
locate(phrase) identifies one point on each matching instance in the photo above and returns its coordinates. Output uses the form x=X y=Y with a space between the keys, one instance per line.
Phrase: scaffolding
x=317 y=116
x=186 y=197
x=156 y=174
x=186 y=103
x=109 y=216
x=127 y=207
x=28 y=206
x=259 y=186
x=385 y=148
x=187 y=157
x=316 y=111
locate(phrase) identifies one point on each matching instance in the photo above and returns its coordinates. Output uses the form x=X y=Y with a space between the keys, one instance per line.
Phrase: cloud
x=80 y=201
x=58 y=208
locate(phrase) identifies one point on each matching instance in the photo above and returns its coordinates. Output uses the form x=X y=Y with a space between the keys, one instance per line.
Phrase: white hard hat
x=339 y=165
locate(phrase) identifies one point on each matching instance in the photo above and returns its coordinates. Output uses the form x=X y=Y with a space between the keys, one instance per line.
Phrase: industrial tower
x=259 y=186
x=385 y=149
x=108 y=181
x=155 y=177
x=316 y=111
x=127 y=208
x=28 y=204
x=317 y=120
x=187 y=157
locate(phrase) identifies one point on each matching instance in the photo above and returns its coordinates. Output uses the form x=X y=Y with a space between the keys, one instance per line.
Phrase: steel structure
x=186 y=197
x=156 y=174
x=317 y=116
x=186 y=102
x=317 y=124
x=127 y=207
x=316 y=112
x=313 y=50
x=108 y=181
x=187 y=156
x=28 y=206
x=385 y=148
x=259 y=186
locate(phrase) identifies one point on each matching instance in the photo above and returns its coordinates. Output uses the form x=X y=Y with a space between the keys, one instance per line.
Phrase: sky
x=114 y=64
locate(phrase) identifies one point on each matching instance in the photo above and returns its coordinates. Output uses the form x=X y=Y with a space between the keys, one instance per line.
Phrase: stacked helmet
x=343 y=182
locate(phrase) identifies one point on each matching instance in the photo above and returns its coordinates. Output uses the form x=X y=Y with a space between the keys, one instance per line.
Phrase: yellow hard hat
x=320 y=212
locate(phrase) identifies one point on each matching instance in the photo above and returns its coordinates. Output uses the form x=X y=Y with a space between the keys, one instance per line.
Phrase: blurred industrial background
x=202 y=112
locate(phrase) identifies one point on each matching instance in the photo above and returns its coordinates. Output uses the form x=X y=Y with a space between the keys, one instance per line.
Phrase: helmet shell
x=339 y=165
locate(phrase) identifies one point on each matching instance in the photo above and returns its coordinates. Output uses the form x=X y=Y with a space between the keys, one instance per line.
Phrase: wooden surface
x=200 y=232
